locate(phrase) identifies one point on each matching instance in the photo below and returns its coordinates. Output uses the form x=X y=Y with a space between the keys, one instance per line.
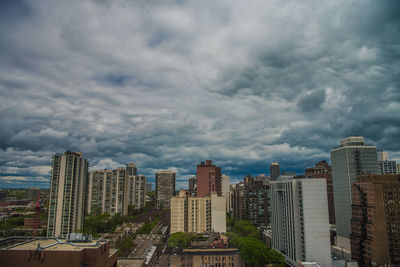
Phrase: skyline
x=168 y=84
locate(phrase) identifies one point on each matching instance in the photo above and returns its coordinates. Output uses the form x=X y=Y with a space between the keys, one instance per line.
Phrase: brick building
x=59 y=252
x=208 y=179
x=250 y=201
x=375 y=223
x=196 y=257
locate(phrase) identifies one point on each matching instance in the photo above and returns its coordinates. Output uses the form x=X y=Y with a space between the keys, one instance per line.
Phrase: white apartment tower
x=300 y=220
x=68 y=194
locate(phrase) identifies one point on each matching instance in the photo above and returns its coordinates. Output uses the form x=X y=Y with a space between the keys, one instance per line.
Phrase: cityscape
x=345 y=213
x=200 y=133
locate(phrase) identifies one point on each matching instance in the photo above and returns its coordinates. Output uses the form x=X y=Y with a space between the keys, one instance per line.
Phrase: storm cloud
x=167 y=84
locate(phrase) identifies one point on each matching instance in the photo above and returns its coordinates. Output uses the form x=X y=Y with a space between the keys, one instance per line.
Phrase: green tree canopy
x=244 y=229
x=180 y=239
x=125 y=247
x=253 y=251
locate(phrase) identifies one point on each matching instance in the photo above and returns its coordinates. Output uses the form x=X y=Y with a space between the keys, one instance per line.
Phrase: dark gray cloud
x=167 y=84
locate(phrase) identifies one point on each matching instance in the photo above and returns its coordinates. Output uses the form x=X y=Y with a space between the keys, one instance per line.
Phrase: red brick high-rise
x=208 y=179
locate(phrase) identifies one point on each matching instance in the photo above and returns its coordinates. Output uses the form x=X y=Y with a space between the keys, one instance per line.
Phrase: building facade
x=50 y=252
x=208 y=179
x=299 y=222
x=375 y=227
x=68 y=194
x=352 y=158
x=225 y=190
x=193 y=186
x=107 y=189
x=165 y=188
x=322 y=170
x=198 y=257
x=198 y=214
x=112 y=191
x=137 y=191
x=251 y=202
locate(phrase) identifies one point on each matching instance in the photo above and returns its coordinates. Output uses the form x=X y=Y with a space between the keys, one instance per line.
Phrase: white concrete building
x=300 y=220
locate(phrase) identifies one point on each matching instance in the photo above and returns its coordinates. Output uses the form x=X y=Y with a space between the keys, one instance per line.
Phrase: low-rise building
x=197 y=257
x=59 y=252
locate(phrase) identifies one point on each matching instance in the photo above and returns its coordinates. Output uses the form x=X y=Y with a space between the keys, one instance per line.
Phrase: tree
x=253 y=251
x=180 y=239
x=244 y=229
x=274 y=257
x=125 y=247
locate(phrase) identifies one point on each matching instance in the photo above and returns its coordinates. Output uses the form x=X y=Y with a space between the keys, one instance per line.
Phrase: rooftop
x=55 y=244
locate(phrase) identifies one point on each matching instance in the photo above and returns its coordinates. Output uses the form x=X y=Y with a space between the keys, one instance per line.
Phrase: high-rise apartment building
x=352 y=158
x=112 y=191
x=300 y=227
x=386 y=166
x=274 y=170
x=198 y=214
x=375 y=227
x=251 y=202
x=322 y=170
x=68 y=194
x=137 y=190
x=208 y=179
x=165 y=188
x=107 y=189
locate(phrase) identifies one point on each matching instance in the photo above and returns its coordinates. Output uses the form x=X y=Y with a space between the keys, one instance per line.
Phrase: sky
x=167 y=84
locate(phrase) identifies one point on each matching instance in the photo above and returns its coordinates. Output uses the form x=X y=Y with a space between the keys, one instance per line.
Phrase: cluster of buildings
x=75 y=192
x=351 y=208
x=203 y=207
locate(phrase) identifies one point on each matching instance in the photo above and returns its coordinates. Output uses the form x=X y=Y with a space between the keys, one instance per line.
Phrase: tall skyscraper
x=300 y=227
x=274 y=170
x=165 y=188
x=208 y=179
x=322 y=170
x=375 y=227
x=352 y=158
x=68 y=194
x=198 y=214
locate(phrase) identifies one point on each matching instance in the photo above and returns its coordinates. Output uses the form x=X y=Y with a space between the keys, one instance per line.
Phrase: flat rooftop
x=54 y=244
